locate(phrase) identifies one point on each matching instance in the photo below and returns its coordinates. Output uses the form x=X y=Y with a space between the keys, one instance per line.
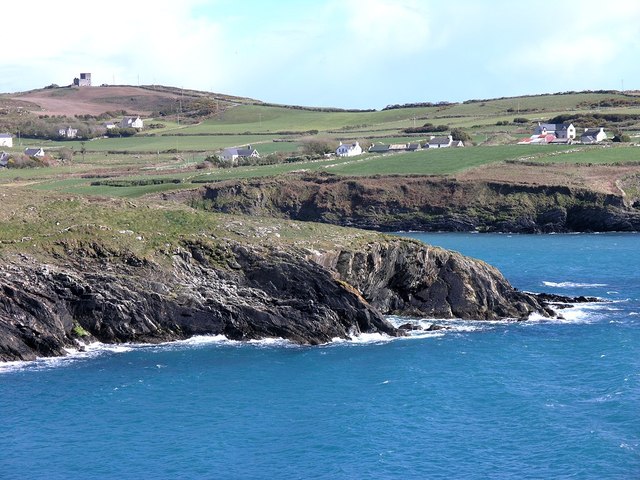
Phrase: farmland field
x=171 y=155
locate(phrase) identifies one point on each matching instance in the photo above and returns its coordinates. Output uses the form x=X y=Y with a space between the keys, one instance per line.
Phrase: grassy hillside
x=171 y=155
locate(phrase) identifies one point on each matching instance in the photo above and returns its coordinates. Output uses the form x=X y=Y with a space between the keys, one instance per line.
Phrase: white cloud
x=118 y=40
x=591 y=42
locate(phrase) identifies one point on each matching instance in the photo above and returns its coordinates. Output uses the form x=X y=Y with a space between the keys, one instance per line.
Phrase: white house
x=6 y=140
x=109 y=125
x=349 y=150
x=68 y=132
x=132 y=122
x=34 y=152
x=440 y=142
x=593 y=135
x=232 y=154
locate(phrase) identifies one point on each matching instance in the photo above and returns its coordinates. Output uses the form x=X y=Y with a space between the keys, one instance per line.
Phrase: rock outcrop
x=242 y=292
x=423 y=203
x=409 y=278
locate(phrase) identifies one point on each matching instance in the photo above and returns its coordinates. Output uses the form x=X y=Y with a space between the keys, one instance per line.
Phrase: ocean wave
x=573 y=285
x=583 y=313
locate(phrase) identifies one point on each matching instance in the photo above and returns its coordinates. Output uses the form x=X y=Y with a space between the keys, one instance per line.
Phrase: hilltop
x=142 y=100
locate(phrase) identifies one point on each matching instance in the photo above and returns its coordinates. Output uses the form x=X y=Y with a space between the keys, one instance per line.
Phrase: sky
x=331 y=53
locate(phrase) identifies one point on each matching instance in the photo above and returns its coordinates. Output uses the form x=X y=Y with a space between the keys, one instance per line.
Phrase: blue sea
x=544 y=399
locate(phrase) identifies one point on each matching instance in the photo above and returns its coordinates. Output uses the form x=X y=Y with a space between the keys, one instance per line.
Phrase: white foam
x=581 y=313
x=573 y=285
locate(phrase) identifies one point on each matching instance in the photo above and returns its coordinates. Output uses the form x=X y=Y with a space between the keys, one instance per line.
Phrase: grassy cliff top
x=45 y=224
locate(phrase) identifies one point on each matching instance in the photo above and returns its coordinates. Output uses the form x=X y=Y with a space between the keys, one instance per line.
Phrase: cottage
x=34 y=152
x=232 y=154
x=349 y=150
x=132 y=122
x=4 y=159
x=68 y=132
x=109 y=125
x=6 y=140
x=593 y=135
x=440 y=142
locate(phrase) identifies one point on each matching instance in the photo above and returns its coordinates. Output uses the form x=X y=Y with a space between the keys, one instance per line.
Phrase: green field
x=176 y=151
x=424 y=162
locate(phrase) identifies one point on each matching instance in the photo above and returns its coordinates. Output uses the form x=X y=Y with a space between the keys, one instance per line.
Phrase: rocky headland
x=423 y=203
x=241 y=291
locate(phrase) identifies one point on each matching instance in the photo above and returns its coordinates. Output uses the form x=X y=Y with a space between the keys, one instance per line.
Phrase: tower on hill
x=83 y=81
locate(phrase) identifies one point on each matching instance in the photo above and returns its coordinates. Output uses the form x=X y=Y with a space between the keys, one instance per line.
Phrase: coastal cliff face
x=395 y=203
x=242 y=292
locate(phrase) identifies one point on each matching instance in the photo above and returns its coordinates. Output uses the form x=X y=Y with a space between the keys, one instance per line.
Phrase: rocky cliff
x=240 y=291
x=395 y=203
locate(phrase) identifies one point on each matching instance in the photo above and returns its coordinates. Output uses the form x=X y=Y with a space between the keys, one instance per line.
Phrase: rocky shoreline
x=248 y=292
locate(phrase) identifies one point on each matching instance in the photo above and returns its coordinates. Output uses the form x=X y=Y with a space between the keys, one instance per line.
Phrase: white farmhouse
x=593 y=135
x=36 y=152
x=232 y=154
x=349 y=150
x=6 y=140
x=132 y=122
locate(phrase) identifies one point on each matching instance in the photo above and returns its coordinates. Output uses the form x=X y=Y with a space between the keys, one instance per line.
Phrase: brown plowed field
x=96 y=100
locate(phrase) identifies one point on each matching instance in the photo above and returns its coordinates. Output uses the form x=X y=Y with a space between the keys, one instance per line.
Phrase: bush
x=520 y=120
x=318 y=145
x=427 y=128
x=621 y=138
x=460 y=135
x=121 y=132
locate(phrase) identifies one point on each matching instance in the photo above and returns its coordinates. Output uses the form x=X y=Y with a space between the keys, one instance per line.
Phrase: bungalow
x=379 y=148
x=34 y=152
x=6 y=140
x=232 y=154
x=349 y=150
x=68 y=132
x=132 y=122
x=4 y=159
x=440 y=142
x=593 y=135
x=109 y=125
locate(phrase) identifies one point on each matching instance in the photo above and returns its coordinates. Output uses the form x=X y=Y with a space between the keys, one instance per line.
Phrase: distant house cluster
x=69 y=133
x=127 y=122
x=434 y=142
x=562 y=133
